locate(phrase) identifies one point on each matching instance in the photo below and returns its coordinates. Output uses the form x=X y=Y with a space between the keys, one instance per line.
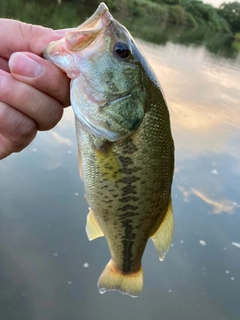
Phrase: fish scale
x=154 y=173
x=126 y=150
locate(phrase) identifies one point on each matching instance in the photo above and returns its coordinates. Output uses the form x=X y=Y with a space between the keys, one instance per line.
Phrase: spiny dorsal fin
x=92 y=227
x=162 y=238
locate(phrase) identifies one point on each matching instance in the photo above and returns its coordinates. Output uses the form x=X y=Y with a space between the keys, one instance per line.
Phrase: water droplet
x=202 y=242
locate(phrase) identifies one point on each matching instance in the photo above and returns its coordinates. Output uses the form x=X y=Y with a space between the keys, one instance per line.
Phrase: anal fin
x=162 y=238
x=92 y=227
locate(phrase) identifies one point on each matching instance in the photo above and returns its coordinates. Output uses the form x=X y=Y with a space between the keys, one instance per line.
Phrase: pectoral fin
x=107 y=163
x=92 y=228
x=162 y=238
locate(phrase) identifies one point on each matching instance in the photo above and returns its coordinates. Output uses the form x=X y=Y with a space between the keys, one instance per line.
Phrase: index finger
x=20 y=36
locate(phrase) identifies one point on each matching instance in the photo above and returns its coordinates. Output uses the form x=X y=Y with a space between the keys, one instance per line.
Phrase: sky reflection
x=203 y=98
x=43 y=245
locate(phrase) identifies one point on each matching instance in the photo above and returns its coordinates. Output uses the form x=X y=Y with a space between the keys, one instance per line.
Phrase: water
x=49 y=269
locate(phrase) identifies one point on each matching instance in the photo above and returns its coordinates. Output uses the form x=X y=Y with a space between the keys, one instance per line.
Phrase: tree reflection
x=63 y=14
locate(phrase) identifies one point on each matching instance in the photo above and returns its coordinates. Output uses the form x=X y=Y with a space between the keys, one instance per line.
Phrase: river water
x=49 y=269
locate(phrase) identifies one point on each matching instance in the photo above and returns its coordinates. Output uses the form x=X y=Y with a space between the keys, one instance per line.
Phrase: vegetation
x=206 y=15
x=193 y=13
x=231 y=13
x=236 y=42
x=187 y=26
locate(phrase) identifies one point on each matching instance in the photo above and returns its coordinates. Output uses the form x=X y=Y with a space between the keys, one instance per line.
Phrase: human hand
x=33 y=92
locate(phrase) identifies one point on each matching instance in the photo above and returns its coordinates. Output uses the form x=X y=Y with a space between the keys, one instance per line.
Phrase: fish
x=126 y=149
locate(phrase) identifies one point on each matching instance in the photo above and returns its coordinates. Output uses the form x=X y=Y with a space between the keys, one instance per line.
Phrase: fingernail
x=23 y=65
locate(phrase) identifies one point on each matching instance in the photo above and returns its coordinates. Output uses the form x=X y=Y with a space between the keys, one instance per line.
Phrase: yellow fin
x=92 y=228
x=162 y=238
x=107 y=163
x=113 y=279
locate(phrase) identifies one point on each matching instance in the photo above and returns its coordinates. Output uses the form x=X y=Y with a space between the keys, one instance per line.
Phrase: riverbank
x=193 y=13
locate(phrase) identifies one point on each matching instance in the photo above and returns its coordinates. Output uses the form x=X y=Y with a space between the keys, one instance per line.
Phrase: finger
x=25 y=37
x=4 y=64
x=38 y=106
x=16 y=130
x=41 y=74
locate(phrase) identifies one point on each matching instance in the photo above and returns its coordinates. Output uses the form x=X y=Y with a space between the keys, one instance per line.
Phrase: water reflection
x=162 y=33
x=203 y=97
x=43 y=245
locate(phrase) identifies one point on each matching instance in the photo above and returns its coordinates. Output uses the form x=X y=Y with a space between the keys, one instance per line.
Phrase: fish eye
x=121 y=50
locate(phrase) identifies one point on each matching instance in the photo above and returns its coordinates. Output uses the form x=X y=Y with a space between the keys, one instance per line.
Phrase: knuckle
x=51 y=117
x=17 y=130
x=24 y=135
x=16 y=144
x=28 y=131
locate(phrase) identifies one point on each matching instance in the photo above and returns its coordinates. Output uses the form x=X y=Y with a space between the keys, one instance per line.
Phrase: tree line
x=195 y=13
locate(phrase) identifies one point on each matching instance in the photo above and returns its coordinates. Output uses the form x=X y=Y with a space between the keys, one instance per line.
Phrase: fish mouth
x=88 y=31
x=100 y=19
x=79 y=38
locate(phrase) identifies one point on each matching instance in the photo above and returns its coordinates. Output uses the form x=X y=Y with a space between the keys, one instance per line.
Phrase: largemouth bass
x=126 y=150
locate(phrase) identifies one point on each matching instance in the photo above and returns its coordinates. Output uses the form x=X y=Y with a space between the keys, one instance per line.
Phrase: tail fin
x=113 y=279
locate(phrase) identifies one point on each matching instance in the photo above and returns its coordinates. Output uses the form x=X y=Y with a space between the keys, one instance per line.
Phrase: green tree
x=176 y=14
x=205 y=14
x=231 y=13
x=169 y=2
